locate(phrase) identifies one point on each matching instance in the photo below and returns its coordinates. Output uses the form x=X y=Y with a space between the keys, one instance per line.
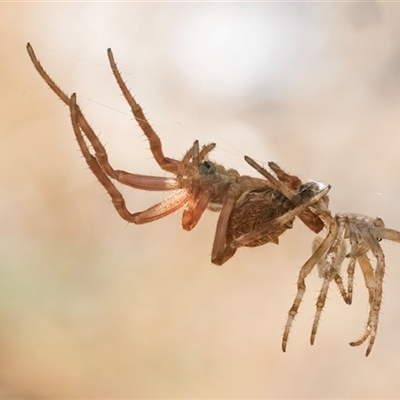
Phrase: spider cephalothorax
x=253 y=211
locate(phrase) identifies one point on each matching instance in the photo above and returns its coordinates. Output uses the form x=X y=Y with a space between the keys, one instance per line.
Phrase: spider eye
x=206 y=168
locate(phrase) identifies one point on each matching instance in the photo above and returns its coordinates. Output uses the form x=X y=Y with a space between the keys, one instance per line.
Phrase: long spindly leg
x=369 y=278
x=379 y=275
x=374 y=283
x=165 y=163
x=330 y=271
x=78 y=115
x=355 y=247
x=160 y=210
x=137 y=181
x=64 y=97
x=342 y=254
x=304 y=272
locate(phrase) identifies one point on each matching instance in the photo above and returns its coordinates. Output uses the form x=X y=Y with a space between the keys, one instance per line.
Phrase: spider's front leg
x=329 y=267
x=138 y=181
x=166 y=163
x=160 y=210
x=188 y=177
x=187 y=183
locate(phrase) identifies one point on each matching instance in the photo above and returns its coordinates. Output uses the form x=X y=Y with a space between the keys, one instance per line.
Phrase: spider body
x=252 y=211
x=262 y=215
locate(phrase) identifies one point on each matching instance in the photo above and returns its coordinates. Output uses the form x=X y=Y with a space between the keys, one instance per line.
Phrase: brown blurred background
x=92 y=307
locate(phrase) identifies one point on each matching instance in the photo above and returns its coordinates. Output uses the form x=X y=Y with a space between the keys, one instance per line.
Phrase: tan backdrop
x=91 y=307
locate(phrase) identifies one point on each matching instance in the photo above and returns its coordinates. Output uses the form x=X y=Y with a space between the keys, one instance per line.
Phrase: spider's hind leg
x=304 y=272
x=329 y=269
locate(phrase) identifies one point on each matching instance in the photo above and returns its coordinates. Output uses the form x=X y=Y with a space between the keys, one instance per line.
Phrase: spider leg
x=330 y=271
x=276 y=184
x=166 y=163
x=355 y=246
x=369 y=278
x=341 y=255
x=220 y=251
x=379 y=275
x=195 y=205
x=64 y=97
x=101 y=164
x=137 y=181
x=304 y=272
x=374 y=283
x=321 y=262
x=160 y=210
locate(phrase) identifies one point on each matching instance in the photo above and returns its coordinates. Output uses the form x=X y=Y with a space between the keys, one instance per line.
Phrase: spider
x=253 y=211
x=198 y=183
x=364 y=234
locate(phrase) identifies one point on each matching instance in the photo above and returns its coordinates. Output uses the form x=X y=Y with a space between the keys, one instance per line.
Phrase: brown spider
x=253 y=211
x=198 y=183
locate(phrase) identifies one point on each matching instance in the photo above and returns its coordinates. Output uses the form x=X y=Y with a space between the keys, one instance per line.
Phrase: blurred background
x=93 y=307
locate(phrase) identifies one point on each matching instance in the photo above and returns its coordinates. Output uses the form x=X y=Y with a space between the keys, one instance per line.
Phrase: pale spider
x=253 y=211
x=364 y=234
